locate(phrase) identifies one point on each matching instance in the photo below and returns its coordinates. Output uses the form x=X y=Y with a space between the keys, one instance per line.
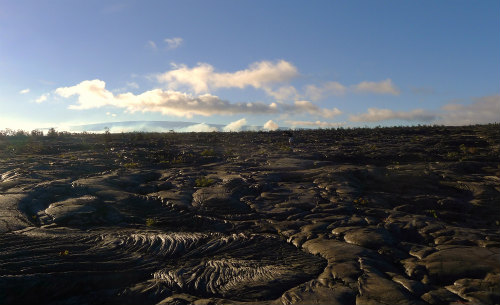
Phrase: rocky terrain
x=349 y=216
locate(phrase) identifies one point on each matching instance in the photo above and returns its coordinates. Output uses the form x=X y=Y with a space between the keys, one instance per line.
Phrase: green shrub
x=452 y=155
x=150 y=222
x=432 y=213
x=64 y=253
x=208 y=153
x=285 y=148
x=203 y=182
x=131 y=165
x=229 y=153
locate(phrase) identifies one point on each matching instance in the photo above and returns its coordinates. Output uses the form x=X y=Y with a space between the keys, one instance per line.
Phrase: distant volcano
x=154 y=126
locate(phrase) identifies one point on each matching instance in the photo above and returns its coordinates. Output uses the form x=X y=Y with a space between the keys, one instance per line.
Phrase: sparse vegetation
x=432 y=213
x=285 y=148
x=467 y=150
x=151 y=222
x=64 y=253
x=208 y=153
x=131 y=165
x=452 y=155
x=377 y=145
x=361 y=200
x=229 y=153
x=203 y=182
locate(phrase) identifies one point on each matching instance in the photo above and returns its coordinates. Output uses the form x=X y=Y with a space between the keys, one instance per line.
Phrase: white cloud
x=203 y=78
x=310 y=108
x=484 y=110
x=199 y=128
x=24 y=91
x=93 y=94
x=235 y=126
x=270 y=125
x=377 y=114
x=330 y=88
x=258 y=75
x=152 y=45
x=42 y=98
x=272 y=77
x=282 y=93
x=196 y=78
x=383 y=87
x=320 y=124
x=173 y=43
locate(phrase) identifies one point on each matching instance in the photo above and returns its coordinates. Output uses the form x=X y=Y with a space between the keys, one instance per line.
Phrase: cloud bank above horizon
x=188 y=92
x=202 y=79
x=93 y=94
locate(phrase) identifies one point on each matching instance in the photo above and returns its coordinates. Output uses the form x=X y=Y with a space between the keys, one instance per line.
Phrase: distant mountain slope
x=128 y=126
x=153 y=126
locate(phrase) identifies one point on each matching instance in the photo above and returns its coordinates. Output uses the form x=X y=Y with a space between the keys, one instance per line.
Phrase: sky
x=300 y=64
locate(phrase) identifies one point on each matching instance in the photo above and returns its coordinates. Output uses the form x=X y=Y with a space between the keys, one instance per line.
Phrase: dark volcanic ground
x=361 y=216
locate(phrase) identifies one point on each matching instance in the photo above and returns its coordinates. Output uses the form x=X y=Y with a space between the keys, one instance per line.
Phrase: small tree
x=21 y=133
x=107 y=135
x=36 y=133
x=52 y=133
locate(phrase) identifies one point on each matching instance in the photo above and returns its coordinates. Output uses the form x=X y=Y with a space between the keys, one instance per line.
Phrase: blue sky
x=273 y=63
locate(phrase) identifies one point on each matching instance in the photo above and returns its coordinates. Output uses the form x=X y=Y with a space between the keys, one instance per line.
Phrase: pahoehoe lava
x=346 y=216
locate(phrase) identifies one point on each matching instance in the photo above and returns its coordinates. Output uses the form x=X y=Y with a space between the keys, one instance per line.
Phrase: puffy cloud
x=320 y=124
x=310 y=108
x=257 y=75
x=235 y=126
x=383 y=87
x=272 y=77
x=270 y=125
x=484 y=110
x=282 y=93
x=197 y=78
x=376 y=115
x=24 y=91
x=199 y=128
x=173 y=43
x=330 y=88
x=93 y=94
x=202 y=78
x=42 y=98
